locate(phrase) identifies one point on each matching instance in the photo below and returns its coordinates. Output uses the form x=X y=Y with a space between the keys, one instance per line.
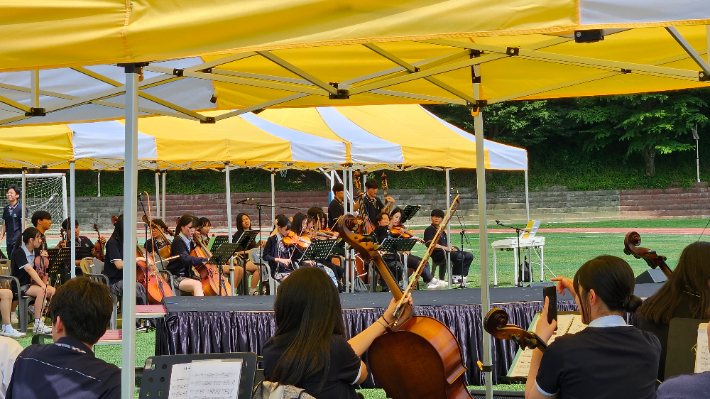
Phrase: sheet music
x=702 y=355
x=566 y=324
x=179 y=380
x=215 y=379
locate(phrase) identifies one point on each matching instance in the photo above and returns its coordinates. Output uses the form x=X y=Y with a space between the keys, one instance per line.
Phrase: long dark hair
x=297 y=223
x=118 y=230
x=688 y=283
x=184 y=221
x=307 y=312
x=612 y=280
x=240 y=221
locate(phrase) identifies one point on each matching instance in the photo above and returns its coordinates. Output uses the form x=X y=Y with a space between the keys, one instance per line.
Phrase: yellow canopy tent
x=324 y=53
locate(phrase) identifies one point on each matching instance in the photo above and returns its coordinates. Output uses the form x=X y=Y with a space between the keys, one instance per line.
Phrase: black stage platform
x=244 y=323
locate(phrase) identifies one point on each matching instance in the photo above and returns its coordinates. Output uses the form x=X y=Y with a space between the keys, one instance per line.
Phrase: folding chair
x=101 y=278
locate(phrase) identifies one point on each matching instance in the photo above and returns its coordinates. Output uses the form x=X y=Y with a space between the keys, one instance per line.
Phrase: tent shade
x=48 y=34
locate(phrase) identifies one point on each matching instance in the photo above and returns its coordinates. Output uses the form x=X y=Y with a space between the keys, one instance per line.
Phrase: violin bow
x=408 y=292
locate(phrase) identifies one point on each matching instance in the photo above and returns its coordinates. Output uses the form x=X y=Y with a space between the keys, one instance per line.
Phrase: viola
x=496 y=324
x=147 y=275
x=438 y=371
x=654 y=260
x=98 y=246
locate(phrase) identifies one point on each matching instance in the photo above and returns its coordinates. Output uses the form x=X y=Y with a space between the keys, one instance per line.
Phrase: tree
x=651 y=124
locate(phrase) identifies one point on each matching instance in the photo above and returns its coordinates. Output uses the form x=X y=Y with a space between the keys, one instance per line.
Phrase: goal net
x=43 y=192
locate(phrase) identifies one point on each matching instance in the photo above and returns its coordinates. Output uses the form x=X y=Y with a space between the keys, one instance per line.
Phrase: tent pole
x=130 y=208
x=228 y=196
x=346 y=204
x=72 y=218
x=34 y=82
x=273 y=197
x=157 y=192
x=448 y=228
x=527 y=196
x=24 y=198
x=162 y=207
x=483 y=232
x=98 y=184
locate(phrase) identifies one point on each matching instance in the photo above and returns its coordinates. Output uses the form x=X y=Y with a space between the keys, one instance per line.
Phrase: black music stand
x=246 y=237
x=216 y=241
x=158 y=370
x=397 y=245
x=221 y=256
x=58 y=259
x=680 y=353
x=409 y=211
x=318 y=250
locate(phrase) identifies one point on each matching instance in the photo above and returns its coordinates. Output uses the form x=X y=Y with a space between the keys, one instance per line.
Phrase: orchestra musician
x=460 y=261
x=113 y=265
x=31 y=284
x=686 y=294
x=336 y=208
x=201 y=236
x=156 y=228
x=84 y=247
x=242 y=257
x=608 y=359
x=301 y=226
x=372 y=204
x=413 y=261
x=181 y=268
x=309 y=349
x=277 y=254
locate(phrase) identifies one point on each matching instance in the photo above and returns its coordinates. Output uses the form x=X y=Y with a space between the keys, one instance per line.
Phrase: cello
x=98 y=245
x=654 y=260
x=212 y=283
x=496 y=324
x=146 y=274
x=164 y=251
x=438 y=372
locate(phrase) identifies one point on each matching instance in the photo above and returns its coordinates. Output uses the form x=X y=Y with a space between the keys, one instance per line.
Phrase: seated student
x=460 y=261
x=9 y=350
x=80 y=312
x=158 y=230
x=84 y=247
x=181 y=268
x=113 y=265
x=242 y=257
x=276 y=253
x=686 y=294
x=23 y=268
x=394 y=262
x=686 y=386
x=608 y=359
x=309 y=349
x=5 y=309
x=301 y=226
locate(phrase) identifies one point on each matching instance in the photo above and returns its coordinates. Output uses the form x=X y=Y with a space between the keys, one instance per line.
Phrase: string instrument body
x=419 y=356
x=147 y=275
x=212 y=283
x=163 y=251
x=98 y=245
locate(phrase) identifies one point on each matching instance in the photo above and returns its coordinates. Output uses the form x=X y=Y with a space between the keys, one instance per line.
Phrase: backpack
x=272 y=390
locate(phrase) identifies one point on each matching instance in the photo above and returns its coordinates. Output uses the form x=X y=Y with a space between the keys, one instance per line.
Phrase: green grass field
x=564 y=254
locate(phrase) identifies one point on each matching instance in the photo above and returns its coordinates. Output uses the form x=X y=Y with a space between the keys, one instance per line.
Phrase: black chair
x=23 y=306
x=101 y=278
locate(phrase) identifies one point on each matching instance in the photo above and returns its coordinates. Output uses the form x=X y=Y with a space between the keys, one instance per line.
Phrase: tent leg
x=448 y=228
x=483 y=236
x=98 y=184
x=346 y=204
x=130 y=209
x=273 y=196
x=228 y=196
x=527 y=196
x=157 y=193
x=24 y=199
x=72 y=218
x=162 y=207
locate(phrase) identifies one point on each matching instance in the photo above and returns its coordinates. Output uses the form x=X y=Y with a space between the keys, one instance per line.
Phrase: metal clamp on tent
x=588 y=36
x=341 y=94
x=703 y=77
x=36 y=112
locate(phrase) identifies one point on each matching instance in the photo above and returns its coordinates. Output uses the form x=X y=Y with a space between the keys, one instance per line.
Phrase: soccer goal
x=41 y=192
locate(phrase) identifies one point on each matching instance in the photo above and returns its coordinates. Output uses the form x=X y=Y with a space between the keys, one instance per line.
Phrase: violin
x=41 y=265
x=401 y=232
x=438 y=371
x=98 y=246
x=384 y=184
x=293 y=239
x=147 y=275
x=654 y=260
x=496 y=324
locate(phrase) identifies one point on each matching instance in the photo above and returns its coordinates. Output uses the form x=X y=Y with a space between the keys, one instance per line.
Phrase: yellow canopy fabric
x=29 y=147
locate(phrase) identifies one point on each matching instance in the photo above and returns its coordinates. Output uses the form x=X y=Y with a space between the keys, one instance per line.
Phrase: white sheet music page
x=179 y=380
x=702 y=355
x=214 y=379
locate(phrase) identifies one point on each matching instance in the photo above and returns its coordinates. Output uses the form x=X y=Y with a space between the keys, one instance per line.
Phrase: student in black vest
x=276 y=253
x=23 y=268
x=113 y=265
x=608 y=359
x=12 y=218
x=686 y=294
x=336 y=207
x=309 y=349
x=181 y=268
x=244 y=224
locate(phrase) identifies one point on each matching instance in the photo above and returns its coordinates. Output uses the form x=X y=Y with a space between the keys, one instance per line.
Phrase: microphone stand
x=520 y=266
x=464 y=236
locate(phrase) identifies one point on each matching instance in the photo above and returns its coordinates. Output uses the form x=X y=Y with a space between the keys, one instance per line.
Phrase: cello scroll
x=496 y=324
x=631 y=242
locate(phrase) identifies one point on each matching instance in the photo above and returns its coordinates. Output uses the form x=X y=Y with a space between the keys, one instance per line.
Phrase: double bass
x=418 y=356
